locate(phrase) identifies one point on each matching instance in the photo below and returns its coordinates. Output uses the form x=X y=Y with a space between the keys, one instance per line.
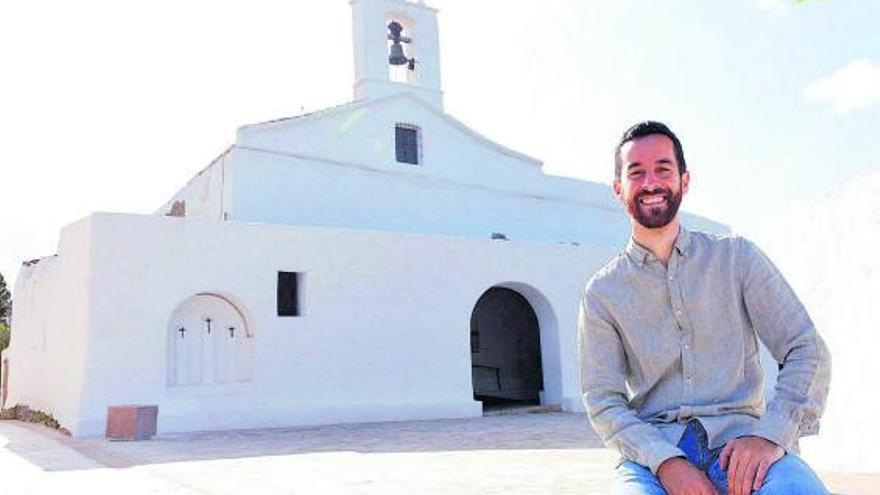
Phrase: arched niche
x=209 y=342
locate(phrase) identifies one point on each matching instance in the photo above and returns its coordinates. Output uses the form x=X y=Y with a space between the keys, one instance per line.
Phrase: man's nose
x=651 y=181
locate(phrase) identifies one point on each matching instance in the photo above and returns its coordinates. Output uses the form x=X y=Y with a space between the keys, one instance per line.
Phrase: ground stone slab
x=548 y=453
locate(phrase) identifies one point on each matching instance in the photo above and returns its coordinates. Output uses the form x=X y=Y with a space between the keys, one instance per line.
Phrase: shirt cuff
x=654 y=454
x=777 y=428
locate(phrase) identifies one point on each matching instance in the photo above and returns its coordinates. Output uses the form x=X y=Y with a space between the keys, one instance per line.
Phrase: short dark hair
x=643 y=129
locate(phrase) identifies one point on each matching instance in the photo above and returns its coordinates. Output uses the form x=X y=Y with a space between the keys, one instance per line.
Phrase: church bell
x=396 y=55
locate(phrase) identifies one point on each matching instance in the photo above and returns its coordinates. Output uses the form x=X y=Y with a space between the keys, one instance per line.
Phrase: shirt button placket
x=675 y=295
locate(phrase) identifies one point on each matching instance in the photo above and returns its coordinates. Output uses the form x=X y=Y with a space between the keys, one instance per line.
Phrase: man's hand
x=746 y=461
x=680 y=477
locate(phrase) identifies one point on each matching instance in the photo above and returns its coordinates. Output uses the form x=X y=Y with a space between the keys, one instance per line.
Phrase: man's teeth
x=653 y=200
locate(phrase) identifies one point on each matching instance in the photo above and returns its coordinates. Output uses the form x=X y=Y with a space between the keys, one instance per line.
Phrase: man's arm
x=783 y=325
x=603 y=384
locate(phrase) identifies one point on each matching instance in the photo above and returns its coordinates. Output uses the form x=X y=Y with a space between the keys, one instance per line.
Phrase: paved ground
x=549 y=453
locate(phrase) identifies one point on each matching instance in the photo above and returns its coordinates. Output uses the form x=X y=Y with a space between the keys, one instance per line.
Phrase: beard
x=655 y=216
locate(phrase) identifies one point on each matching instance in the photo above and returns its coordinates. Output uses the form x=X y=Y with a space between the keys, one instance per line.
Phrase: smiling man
x=669 y=333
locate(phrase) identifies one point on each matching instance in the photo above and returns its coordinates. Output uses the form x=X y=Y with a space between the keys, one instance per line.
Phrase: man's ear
x=618 y=189
x=685 y=182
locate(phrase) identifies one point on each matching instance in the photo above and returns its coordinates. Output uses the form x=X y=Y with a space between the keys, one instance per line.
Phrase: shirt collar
x=641 y=255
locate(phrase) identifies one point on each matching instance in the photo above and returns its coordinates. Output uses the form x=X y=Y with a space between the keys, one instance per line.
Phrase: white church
x=374 y=261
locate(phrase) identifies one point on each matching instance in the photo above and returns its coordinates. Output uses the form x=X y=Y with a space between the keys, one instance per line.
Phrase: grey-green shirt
x=661 y=345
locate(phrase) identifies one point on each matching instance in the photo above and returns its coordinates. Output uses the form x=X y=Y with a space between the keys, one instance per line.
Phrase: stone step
x=505 y=411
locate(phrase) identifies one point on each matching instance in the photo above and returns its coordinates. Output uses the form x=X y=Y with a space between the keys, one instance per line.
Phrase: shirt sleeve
x=783 y=325
x=603 y=387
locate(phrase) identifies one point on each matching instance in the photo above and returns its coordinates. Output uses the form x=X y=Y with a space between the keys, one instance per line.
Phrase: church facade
x=374 y=261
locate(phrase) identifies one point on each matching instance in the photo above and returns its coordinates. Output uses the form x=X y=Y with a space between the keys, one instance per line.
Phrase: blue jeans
x=789 y=475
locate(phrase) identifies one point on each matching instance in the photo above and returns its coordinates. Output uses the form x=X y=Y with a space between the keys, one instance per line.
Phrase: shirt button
x=678 y=312
x=687 y=346
x=671 y=278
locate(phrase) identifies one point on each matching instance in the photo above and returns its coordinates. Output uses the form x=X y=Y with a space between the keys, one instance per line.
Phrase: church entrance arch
x=505 y=349
x=208 y=343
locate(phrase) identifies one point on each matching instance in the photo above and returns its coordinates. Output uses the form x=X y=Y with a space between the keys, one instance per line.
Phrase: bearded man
x=669 y=333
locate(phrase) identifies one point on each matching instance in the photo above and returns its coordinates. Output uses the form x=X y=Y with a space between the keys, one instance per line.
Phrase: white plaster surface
x=207 y=194
x=50 y=309
x=337 y=168
x=826 y=250
x=383 y=335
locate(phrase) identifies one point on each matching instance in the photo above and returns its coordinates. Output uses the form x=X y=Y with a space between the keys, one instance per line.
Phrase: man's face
x=650 y=186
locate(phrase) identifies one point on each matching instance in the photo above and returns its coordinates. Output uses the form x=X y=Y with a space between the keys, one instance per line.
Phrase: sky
x=113 y=106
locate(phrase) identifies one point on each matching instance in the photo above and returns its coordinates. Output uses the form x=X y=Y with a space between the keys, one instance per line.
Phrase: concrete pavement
x=547 y=453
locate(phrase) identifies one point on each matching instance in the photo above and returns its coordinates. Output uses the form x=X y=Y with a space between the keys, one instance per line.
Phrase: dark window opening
x=406 y=142
x=287 y=294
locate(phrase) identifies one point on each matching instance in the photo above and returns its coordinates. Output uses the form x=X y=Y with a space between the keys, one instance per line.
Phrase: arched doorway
x=505 y=350
x=208 y=343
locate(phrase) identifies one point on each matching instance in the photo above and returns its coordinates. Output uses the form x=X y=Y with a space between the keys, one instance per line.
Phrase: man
x=669 y=335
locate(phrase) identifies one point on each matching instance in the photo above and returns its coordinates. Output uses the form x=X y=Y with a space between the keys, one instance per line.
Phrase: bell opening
x=401 y=62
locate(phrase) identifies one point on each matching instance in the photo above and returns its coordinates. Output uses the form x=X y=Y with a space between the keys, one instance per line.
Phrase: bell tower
x=396 y=50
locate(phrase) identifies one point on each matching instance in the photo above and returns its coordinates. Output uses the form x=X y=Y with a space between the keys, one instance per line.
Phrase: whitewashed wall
x=50 y=338
x=207 y=194
x=826 y=249
x=278 y=189
x=362 y=134
x=384 y=333
x=337 y=168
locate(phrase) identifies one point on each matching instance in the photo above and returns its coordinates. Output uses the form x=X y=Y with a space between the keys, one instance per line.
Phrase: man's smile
x=652 y=199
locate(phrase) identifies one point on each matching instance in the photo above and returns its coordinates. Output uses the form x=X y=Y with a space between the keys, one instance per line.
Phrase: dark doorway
x=505 y=350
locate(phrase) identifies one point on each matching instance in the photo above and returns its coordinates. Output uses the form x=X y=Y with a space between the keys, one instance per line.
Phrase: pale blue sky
x=112 y=106
x=729 y=76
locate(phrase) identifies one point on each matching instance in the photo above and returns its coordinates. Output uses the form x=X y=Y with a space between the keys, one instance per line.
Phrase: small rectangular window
x=288 y=298
x=406 y=141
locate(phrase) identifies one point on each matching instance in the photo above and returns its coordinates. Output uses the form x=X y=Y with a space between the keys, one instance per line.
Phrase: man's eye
x=636 y=174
